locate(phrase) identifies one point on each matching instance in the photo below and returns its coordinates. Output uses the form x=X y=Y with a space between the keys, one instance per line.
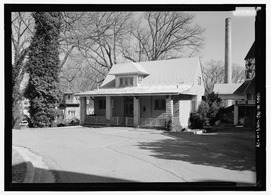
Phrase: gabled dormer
x=250 y=63
x=128 y=75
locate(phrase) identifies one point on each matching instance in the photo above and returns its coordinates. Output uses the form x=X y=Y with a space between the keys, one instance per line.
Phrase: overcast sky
x=243 y=35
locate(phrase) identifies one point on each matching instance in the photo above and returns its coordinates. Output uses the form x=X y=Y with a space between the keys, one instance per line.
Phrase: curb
x=30 y=173
x=36 y=170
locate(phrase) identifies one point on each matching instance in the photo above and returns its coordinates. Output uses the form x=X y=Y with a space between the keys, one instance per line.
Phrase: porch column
x=169 y=107
x=83 y=109
x=108 y=110
x=136 y=111
x=235 y=115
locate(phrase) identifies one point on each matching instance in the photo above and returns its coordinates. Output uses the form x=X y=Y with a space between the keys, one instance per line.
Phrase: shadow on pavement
x=67 y=177
x=218 y=151
x=72 y=177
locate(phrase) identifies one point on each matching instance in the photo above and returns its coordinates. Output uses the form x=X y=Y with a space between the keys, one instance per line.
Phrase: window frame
x=126 y=81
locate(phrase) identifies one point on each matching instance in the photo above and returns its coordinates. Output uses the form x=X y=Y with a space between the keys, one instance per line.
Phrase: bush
x=209 y=111
x=196 y=121
x=169 y=125
x=71 y=121
x=203 y=111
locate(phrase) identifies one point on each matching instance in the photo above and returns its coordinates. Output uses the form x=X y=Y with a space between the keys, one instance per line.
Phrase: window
x=71 y=113
x=121 y=81
x=131 y=81
x=68 y=97
x=160 y=104
x=139 y=79
x=102 y=104
x=126 y=81
x=199 y=80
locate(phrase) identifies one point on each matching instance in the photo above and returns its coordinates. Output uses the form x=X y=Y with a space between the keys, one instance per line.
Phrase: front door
x=129 y=107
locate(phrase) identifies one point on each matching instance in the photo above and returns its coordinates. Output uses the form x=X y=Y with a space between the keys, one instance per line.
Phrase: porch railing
x=243 y=102
x=129 y=121
x=114 y=121
x=93 y=120
x=251 y=102
x=152 y=122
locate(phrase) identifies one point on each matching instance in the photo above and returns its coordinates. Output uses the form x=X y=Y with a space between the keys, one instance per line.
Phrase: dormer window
x=126 y=81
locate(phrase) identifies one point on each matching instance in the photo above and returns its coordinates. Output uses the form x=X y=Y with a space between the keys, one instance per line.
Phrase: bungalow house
x=146 y=94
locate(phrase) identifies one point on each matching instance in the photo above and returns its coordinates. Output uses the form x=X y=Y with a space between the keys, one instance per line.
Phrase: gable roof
x=251 y=52
x=225 y=88
x=173 y=76
x=128 y=68
x=163 y=72
x=246 y=87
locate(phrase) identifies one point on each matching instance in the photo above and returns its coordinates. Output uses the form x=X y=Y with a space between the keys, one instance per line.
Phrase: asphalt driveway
x=121 y=154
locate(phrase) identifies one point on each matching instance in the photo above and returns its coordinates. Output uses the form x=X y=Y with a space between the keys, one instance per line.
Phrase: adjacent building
x=70 y=106
x=243 y=94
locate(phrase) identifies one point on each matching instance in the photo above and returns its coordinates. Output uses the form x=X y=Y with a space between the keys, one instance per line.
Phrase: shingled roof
x=251 y=53
x=128 y=68
x=163 y=72
x=225 y=88
x=247 y=86
x=165 y=76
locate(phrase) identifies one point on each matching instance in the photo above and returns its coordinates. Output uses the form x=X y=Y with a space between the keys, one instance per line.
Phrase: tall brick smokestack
x=228 y=63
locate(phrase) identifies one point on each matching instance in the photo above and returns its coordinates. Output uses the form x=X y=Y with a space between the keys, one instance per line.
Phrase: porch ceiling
x=146 y=90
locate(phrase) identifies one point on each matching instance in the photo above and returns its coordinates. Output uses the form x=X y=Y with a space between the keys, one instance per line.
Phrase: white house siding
x=185 y=108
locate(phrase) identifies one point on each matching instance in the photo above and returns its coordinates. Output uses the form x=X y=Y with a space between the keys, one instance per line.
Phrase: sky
x=243 y=35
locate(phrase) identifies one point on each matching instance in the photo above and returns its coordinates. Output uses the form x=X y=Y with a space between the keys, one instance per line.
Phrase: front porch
x=126 y=121
x=135 y=111
x=244 y=113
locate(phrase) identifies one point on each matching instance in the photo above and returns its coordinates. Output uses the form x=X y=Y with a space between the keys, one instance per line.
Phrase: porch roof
x=247 y=87
x=225 y=88
x=141 y=90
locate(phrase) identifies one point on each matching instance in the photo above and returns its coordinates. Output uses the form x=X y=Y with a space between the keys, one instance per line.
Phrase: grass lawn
x=18 y=167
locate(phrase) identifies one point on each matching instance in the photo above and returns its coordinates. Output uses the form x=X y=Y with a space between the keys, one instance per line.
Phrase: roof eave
x=129 y=73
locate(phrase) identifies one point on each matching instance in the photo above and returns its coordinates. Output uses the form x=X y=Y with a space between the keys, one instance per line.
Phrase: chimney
x=228 y=64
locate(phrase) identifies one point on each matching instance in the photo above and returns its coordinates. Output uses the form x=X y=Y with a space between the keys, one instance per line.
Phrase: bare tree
x=22 y=29
x=213 y=72
x=163 y=35
x=238 y=73
x=97 y=38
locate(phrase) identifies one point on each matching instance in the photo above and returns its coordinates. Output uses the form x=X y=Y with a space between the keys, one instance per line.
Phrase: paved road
x=114 y=154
